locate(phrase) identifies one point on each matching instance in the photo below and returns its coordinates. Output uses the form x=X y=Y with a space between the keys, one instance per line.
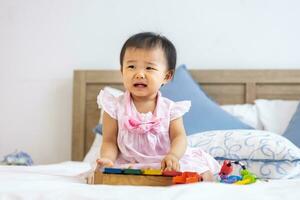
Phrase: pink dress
x=143 y=138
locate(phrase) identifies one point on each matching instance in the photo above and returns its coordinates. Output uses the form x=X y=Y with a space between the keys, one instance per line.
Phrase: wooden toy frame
x=126 y=179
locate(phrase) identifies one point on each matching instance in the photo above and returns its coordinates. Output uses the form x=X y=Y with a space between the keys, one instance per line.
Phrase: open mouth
x=140 y=85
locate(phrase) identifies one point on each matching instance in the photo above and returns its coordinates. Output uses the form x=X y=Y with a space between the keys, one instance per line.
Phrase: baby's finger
x=178 y=167
x=175 y=166
x=104 y=163
x=163 y=165
x=169 y=164
x=98 y=165
x=110 y=164
x=101 y=161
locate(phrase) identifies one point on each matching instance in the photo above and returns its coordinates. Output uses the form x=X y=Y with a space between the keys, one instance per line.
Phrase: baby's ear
x=169 y=75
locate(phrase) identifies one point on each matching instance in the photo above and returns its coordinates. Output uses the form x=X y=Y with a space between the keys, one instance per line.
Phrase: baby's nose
x=140 y=75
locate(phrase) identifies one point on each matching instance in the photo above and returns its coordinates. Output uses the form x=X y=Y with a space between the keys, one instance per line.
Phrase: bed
x=225 y=86
x=68 y=179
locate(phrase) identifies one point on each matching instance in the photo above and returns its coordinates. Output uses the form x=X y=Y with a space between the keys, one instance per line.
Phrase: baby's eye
x=130 y=66
x=150 y=68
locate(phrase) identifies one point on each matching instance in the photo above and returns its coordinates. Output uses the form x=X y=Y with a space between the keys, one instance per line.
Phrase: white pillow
x=247 y=113
x=94 y=151
x=115 y=92
x=245 y=144
x=275 y=115
x=266 y=154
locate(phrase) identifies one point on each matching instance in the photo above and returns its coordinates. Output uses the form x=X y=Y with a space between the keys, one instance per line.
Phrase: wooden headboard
x=225 y=86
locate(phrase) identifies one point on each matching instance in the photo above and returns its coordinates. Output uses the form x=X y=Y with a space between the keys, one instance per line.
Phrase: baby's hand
x=170 y=162
x=104 y=162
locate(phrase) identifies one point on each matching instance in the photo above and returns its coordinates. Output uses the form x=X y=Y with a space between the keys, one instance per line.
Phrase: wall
x=43 y=41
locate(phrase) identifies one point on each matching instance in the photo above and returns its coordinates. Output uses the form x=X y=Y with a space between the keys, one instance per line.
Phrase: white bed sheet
x=66 y=181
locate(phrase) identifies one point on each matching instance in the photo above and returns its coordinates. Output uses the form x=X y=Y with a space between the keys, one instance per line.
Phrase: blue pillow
x=293 y=130
x=204 y=114
x=98 y=129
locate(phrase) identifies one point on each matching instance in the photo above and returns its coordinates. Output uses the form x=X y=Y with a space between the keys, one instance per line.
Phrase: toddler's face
x=144 y=71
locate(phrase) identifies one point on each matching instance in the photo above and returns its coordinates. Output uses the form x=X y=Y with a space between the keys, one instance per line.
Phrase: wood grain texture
x=79 y=115
x=224 y=86
x=121 y=179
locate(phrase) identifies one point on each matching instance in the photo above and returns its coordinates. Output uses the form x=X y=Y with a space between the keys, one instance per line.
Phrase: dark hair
x=149 y=40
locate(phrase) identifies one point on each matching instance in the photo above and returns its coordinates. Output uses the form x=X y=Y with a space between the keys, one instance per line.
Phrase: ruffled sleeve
x=179 y=108
x=108 y=103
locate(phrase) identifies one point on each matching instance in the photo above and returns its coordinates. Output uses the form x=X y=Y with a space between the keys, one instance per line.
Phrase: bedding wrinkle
x=26 y=185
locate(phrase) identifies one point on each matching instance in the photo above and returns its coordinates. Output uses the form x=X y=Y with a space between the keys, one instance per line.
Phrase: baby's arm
x=178 y=145
x=109 y=150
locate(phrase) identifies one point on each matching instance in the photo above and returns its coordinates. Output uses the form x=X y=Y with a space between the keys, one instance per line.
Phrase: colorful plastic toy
x=154 y=172
x=171 y=173
x=231 y=179
x=246 y=176
x=187 y=177
x=177 y=177
x=109 y=170
x=133 y=171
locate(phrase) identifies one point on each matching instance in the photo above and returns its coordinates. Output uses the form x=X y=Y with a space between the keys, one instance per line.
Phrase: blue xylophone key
x=108 y=170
